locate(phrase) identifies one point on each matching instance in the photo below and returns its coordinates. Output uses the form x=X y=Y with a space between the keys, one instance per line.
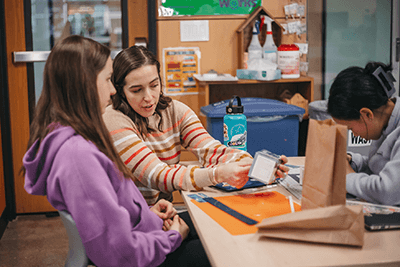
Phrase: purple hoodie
x=113 y=219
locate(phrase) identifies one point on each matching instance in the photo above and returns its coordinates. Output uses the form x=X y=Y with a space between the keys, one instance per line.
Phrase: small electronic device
x=264 y=166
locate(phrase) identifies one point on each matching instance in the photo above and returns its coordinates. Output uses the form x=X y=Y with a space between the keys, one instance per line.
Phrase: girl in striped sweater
x=150 y=129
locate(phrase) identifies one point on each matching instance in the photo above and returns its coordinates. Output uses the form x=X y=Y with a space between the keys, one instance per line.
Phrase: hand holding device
x=234 y=173
x=267 y=166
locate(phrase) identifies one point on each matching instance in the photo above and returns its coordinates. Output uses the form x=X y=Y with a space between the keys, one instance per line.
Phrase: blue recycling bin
x=271 y=124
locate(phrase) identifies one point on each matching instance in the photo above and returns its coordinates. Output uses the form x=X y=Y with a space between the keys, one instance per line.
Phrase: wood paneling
x=222 y=35
x=138 y=24
x=19 y=110
x=219 y=53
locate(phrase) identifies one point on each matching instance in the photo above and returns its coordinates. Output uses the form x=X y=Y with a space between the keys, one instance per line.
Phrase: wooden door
x=18 y=91
x=19 y=109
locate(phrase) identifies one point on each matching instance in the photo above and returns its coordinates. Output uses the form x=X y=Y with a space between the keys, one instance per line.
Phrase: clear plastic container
x=269 y=48
x=255 y=50
x=289 y=61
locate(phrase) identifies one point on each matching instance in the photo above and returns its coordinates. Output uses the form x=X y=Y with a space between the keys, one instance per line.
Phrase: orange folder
x=257 y=206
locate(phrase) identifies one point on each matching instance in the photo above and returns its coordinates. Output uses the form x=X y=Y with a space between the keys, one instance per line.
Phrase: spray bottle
x=269 y=48
x=255 y=50
x=235 y=125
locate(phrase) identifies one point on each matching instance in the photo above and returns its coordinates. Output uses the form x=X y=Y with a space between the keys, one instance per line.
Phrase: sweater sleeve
x=113 y=235
x=154 y=173
x=383 y=187
x=359 y=162
x=150 y=171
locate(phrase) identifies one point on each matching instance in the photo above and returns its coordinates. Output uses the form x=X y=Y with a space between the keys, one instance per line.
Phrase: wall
x=220 y=52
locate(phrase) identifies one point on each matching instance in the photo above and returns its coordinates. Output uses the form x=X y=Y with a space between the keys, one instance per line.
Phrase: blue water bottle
x=235 y=125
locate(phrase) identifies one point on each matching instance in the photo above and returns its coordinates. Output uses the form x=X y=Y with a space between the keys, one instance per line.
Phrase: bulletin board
x=207 y=7
x=180 y=64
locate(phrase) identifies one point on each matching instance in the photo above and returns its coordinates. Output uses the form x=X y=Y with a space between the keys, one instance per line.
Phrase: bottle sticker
x=238 y=136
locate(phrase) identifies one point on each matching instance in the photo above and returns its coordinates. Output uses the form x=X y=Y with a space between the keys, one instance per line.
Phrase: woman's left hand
x=282 y=169
x=164 y=209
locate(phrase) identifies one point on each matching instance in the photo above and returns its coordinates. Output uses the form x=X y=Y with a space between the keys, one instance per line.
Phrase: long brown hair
x=70 y=95
x=125 y=62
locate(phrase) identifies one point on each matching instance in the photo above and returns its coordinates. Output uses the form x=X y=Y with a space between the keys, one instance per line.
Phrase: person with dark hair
x=150 y=129
x=361 y=99
x=71 y=159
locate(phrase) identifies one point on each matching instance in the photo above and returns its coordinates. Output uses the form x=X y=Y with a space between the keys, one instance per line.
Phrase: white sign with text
x=356 y=141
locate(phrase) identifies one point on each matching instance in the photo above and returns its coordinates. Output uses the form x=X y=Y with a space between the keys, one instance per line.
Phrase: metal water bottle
x=235 y=125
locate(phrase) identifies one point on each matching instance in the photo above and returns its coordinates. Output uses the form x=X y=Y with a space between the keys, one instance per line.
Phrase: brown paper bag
x=337 y=224
x=324 y=182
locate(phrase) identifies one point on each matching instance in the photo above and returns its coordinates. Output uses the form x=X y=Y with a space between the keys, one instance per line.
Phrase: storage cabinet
x=214 y=91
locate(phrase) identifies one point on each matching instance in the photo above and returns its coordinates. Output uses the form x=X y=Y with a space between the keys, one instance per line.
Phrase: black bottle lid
x=231 y=109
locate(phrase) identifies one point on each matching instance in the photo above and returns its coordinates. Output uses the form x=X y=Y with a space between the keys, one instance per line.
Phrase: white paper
x=194 y=30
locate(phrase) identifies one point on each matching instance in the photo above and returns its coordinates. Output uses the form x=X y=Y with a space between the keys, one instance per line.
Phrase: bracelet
x=213 y=178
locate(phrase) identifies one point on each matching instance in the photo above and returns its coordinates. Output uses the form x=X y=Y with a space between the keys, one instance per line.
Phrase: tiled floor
x=34 y=240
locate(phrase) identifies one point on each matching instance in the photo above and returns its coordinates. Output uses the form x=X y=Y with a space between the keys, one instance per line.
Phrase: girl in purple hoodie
x=72 y=161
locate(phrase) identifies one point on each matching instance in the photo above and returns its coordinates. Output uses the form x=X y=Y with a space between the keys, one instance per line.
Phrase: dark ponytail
x=355 y=88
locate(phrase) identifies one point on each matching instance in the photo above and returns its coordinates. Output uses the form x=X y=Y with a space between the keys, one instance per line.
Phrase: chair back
x=76 y=254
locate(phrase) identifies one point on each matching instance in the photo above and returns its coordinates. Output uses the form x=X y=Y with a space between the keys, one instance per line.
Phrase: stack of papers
x=292 y=181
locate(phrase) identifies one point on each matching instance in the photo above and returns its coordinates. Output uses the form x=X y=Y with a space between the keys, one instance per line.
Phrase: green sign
x=207 y=7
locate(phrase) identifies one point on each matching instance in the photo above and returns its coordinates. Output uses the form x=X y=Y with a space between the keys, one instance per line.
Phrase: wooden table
x=380 y=248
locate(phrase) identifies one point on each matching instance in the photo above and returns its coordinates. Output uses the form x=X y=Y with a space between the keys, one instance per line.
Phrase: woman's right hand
x=179 y=225
x=234 y=173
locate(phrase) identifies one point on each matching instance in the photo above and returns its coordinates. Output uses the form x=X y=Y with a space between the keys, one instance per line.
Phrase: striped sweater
x=154 y=160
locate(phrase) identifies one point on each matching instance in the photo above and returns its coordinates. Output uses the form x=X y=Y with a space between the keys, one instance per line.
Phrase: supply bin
x=271 y=124
x=318 y=110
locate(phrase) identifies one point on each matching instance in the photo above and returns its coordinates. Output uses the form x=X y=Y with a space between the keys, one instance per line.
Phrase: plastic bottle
x=255 y=49
x=235 y=125
x=289 y=61
x=269 y=47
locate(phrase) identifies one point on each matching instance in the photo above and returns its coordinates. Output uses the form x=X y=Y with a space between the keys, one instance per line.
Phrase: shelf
x=215 y=91
x=298 y=80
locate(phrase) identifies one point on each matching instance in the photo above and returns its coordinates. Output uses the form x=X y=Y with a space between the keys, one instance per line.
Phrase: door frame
x=19 y=98
x=7 y=208
x=395 y=37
